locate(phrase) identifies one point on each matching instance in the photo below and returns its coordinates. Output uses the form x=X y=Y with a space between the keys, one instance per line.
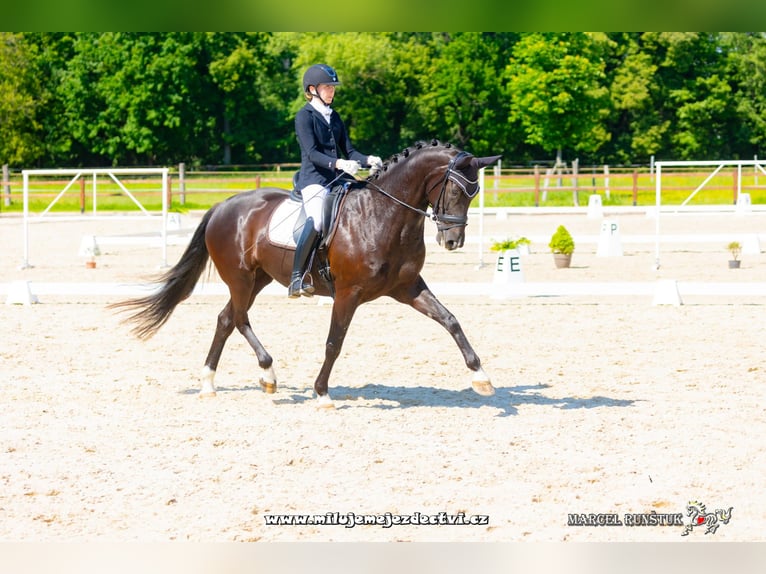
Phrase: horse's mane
x=405 y=154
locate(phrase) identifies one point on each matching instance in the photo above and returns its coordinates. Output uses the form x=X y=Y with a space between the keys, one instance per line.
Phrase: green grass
x=515 y=188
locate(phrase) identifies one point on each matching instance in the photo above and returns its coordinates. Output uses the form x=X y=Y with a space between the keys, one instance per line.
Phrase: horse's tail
x=177 y=284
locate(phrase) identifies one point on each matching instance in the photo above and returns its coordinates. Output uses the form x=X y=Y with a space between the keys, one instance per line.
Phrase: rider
x=323 y=141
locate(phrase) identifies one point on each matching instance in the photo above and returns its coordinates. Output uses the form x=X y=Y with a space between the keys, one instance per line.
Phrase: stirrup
x=307 y=287
x=297 y=288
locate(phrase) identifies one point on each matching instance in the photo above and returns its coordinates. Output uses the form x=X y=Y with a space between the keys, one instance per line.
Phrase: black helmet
x=319 y=74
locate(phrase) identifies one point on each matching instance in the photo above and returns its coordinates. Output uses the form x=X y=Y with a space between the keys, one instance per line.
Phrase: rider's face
x=326 y=92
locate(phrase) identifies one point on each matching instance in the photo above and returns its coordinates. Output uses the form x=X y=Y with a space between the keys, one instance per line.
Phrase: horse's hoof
x=207 y=395
x=484 y=388
x=269 y=387
x=324 y=402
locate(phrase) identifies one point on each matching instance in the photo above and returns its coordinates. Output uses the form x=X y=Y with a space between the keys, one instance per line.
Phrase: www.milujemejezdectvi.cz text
x=385 y=520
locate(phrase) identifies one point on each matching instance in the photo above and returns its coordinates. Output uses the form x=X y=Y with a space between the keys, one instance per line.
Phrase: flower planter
x=734 y=263
x=562 y=259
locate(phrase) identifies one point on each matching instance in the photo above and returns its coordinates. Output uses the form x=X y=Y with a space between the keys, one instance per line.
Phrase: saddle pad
x=282 y=223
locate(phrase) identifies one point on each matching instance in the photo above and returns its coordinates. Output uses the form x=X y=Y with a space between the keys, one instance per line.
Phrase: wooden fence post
x=635 y=187
x=182 y=181
x=82 y=195
x=7 y=184
x=575 y=173
x=537 y=186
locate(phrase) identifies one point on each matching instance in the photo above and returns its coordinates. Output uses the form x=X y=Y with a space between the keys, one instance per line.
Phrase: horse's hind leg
x=234 y=314
x=420 y=297
x=224 y=328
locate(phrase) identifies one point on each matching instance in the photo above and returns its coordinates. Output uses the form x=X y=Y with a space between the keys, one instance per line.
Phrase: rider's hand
x=349 y=166
x=374 y=162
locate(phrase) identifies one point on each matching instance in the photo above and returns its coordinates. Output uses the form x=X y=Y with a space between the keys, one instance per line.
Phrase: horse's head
x=438 y=175
x=459 y=185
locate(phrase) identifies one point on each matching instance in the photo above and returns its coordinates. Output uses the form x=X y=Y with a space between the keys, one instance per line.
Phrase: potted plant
x=562 y=246
x=521 y=244
x=89 y=249
x=735 y=248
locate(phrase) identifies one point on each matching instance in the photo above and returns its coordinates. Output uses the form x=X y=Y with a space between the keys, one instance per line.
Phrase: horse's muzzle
x=451 y=239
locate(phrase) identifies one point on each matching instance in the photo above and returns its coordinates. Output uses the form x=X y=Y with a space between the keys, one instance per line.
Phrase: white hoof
x=207 y=388
x=324 y=402
x=269 y=381
x=481 y=384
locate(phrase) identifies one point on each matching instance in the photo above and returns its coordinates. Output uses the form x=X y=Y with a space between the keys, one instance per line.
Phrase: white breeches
x=313 y=202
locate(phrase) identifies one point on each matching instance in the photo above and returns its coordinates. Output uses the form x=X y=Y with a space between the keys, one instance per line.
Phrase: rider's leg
x=303 y=249
x=313 y=200
x=313 y=203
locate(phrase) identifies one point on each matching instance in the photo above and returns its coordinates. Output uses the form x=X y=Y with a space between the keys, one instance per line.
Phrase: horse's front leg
x=343 y=310
x=420 y=297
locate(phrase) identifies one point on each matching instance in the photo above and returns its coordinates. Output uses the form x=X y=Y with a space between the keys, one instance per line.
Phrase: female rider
x=324 y=144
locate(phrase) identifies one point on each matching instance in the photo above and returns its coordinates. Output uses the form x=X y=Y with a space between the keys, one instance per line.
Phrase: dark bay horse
x=377 y=249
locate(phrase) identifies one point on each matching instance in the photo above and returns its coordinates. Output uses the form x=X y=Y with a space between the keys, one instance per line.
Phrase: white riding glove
x=374 y=162
x=349 y=166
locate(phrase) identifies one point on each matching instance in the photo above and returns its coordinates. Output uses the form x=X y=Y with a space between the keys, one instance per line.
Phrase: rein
x=443 y=221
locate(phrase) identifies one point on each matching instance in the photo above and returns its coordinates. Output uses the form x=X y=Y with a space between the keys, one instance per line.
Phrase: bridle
x=443 y=220
x=446 y=221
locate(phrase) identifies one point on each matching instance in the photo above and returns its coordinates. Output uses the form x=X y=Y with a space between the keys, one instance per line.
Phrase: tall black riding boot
x=303 y=249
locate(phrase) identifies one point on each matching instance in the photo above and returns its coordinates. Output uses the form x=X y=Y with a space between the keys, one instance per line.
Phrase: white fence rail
x=76 y=174
x=758 y=165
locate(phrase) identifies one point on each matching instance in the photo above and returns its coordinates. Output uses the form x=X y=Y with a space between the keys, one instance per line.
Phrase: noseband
x=443 y=220
x=470 y=188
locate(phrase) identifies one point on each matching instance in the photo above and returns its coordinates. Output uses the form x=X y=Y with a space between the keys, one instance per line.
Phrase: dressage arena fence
x=537 y=186
x=94 y=174
x=152 y=186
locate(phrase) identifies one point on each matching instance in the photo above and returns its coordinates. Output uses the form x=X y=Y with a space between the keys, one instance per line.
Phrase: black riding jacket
x=321 y=145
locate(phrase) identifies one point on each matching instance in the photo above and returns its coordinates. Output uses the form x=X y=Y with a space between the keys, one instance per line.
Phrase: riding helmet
x=319 y=74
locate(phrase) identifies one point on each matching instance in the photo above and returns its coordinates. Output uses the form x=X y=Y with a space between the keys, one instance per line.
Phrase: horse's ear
x=481 y=162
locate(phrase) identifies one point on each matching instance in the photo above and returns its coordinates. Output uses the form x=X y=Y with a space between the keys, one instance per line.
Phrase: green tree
x=20 y=142
x=380 y=77
x=462 y=95
x=638 y=128
x=253 y=77
x=135 y=98
x=693 y=95
x=72 y=99
x=704 y=119
x=556 y=91
x=747 y=70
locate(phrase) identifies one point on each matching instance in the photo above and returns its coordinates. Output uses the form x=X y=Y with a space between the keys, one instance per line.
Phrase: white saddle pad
x=283 y=222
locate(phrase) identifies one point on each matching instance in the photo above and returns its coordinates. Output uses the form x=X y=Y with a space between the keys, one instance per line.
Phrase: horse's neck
x=405 y=186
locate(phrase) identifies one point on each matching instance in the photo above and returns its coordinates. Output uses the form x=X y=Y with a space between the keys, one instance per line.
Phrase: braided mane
x=404 y=154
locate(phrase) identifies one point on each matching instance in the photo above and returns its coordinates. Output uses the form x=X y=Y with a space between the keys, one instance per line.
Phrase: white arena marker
x=595 y=207
x=750 y=244
x=744 y=203
x=174 y=221
x=609 y=242
x=20 y=293
x=88 y=246
x=508 y=267
x=508 y=273
x=666 y=293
